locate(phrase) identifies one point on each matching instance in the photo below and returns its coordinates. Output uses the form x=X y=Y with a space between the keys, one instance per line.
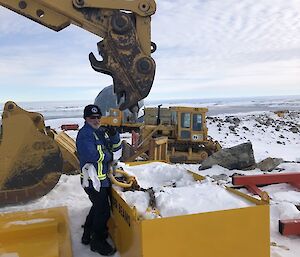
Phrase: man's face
x=94 y=121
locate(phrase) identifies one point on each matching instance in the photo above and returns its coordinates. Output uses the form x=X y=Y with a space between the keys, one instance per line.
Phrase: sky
x=206 y=49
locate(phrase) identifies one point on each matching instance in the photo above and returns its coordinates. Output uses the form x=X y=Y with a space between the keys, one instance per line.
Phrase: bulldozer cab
x=190 y=123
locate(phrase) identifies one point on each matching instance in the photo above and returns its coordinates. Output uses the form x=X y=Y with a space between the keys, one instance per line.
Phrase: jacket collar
x=88 y=126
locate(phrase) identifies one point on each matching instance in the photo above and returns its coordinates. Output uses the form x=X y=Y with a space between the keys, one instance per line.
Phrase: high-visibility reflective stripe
x=95 y=135
x=101 y=154
x=117 y=145
x=101 y=176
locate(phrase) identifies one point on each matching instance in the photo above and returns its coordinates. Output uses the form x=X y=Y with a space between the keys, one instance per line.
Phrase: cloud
x=205 y=48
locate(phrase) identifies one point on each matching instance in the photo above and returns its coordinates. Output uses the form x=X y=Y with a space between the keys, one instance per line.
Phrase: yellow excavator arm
x=32 y=156
x=125 y=27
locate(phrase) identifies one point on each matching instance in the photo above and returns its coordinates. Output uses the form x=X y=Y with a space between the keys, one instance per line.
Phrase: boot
x=86 y=237
x=101 y=246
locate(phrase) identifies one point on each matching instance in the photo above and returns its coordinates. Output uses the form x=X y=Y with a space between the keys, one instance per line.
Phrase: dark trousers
x=96 y=220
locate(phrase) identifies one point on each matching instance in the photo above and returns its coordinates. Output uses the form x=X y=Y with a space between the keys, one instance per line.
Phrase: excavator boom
x=124 y=26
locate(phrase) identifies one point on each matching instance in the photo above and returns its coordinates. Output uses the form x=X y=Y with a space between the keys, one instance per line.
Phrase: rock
x=220 y=177
x=278 y=142
x=281 y=136
x=282 y=122
x=245 y=128
x=260 y=121
x=264 y=121
x=233 y=120
x=269 y=122
x=237 y=157
x=277 y=128
x=269 y=164
x=294 y=129
x=232 y=128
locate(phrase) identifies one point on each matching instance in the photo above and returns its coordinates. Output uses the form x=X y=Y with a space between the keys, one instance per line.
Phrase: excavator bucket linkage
x=125 y=28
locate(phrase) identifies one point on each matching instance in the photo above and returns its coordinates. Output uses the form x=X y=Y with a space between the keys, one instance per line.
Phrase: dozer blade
x=41 y=233
x=30 y=161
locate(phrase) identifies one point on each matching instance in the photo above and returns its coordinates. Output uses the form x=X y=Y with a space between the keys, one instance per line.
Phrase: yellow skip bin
x=40 y=233
x=242 y=232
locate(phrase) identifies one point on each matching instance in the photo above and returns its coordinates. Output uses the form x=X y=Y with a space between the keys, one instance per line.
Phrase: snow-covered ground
x=270 y=135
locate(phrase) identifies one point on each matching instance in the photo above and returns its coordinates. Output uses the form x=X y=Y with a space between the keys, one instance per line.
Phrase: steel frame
x=252 y=182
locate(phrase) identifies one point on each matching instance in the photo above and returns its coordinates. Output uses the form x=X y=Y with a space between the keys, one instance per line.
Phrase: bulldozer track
x=184 y=146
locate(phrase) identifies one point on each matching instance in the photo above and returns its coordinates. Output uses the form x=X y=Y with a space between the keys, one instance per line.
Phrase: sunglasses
x=95 y=117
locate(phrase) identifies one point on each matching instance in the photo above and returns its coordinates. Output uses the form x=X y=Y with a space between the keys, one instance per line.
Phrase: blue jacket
x=96 y=147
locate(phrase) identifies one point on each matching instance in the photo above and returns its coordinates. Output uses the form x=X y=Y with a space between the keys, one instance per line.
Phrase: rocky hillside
x=271 y=135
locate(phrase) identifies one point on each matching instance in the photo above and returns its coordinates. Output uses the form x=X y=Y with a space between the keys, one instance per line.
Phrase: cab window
x=173 y=118
x=197 y=122
x=185 y=120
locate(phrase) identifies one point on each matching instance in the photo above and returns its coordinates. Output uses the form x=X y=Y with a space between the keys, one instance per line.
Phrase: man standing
x=95 y=145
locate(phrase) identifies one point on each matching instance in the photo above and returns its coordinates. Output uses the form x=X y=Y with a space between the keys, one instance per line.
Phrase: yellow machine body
x=40 y=233
x=230 y=233
x=182 y=123
x=185 y=129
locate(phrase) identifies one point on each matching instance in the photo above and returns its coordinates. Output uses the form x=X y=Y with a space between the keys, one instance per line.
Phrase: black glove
x=109 y=155
x=111 y=131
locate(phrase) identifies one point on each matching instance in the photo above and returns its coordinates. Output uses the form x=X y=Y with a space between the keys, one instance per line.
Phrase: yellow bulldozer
x=182 y=129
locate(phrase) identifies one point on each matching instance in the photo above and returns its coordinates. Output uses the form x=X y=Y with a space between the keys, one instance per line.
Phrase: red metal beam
x=70 y=127
x=297 y=185
x=254 y=189
x=134 y=139
x=267 y=179
x=289 y=227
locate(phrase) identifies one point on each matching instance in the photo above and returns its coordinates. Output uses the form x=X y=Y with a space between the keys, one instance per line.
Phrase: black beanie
x=91 y=110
